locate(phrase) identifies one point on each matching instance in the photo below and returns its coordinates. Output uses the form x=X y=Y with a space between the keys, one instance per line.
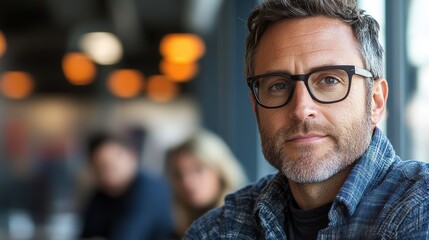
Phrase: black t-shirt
x=306 y=224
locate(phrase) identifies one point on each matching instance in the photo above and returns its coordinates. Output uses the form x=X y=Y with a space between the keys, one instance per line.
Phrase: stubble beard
x=307 y=166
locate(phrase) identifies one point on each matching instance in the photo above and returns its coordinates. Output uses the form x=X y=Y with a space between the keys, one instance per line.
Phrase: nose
x=302 y=106
x=188 y=180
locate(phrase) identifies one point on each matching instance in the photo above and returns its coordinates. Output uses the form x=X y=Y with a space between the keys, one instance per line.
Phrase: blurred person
x=315 y=75
x=128 y=204
x=201 y=172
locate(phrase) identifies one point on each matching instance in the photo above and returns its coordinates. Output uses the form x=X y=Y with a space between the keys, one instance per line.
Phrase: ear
x=380 y=92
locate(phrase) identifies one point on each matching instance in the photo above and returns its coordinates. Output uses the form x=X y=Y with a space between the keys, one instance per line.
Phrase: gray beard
x=305 y=167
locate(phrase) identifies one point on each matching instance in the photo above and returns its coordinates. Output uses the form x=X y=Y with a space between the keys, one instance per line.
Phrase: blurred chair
x=201 y=172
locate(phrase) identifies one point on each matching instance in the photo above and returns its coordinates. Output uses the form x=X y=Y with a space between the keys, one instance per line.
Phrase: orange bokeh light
x=16 y=84
x=178 y=72
x=161 y=89
x=3 y=44
x=182 y=48
x=78 y=68
x=125 y=83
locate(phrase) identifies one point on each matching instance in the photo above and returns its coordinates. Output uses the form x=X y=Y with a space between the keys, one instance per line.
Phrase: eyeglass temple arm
x=363 y=72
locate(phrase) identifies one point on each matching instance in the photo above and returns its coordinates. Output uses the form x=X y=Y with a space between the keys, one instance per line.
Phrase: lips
x=305 y=138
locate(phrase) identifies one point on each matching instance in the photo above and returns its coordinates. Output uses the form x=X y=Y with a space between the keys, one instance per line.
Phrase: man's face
x=308 y=141
x=115 y=167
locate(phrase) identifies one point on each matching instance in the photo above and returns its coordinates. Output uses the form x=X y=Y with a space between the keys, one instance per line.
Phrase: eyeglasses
x=328 y=84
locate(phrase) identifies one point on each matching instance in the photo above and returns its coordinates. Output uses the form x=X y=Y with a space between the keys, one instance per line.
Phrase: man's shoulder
x=405 y=193
x=408 y=174
x=413 y=170
x=411 y=180
x=406 y=180
x=234 y=218
x=249 y=194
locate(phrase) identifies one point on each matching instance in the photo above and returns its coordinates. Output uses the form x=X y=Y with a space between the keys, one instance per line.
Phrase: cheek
x=342 y=114
x=212 y=181
x=210 y=189
x=356 y=103
x=117 y=172
x=104 y=169
x=208 y=185
x=181 y=185
x=204 y=181
x=270 y=120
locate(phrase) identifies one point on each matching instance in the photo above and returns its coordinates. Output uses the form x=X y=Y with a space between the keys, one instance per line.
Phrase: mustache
x=303 y=128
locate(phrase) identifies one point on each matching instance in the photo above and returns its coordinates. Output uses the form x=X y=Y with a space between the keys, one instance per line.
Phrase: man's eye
x=278 y=87
x=329 y=81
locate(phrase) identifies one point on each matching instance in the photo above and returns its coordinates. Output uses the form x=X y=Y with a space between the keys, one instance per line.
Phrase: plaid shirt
x=382 y=198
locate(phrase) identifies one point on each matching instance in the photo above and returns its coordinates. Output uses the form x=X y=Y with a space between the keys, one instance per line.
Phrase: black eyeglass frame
x=349 y=69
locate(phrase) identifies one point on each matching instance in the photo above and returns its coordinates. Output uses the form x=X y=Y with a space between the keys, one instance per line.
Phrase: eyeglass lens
x=328 y=85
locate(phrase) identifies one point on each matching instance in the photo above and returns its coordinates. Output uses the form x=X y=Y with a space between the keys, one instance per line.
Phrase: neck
x=120 y=189
x=312 y=195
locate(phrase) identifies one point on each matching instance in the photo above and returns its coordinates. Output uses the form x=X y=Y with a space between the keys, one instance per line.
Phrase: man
x=128 y=204
x=314 y=68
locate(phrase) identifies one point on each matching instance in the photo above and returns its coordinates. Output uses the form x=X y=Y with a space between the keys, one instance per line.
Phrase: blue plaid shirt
x=382 y=198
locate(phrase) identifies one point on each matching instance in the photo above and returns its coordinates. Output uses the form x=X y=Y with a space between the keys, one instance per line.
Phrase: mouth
x=306 y=138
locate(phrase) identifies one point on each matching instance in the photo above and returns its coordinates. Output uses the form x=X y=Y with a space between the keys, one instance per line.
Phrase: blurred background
x=168 y=67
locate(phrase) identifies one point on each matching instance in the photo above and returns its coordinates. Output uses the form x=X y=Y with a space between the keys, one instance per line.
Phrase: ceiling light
x=179 y=72
x=182 y=48
x=3 y=44
x=125 y=83
x=161 y=89
x=102 y=47
x=16 y=84
x=78 y=68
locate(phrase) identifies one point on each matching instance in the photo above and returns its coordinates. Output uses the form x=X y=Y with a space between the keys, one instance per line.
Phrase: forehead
x=184 y=157
x=107 y=149
x=298 y=45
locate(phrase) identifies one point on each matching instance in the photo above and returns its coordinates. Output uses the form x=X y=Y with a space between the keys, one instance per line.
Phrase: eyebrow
x=289 y=73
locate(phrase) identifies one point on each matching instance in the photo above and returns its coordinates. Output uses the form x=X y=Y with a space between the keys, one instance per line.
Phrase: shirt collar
x=274 y=196
x=368 y=171
x=270 y=206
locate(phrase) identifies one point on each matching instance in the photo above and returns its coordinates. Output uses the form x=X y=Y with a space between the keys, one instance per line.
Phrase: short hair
x=97 y=140
x=364 y=26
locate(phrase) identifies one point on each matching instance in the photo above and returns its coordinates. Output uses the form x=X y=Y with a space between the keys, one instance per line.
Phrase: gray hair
x=364 y=26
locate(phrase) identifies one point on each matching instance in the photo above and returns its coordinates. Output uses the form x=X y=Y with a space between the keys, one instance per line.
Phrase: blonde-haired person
x=201 y=171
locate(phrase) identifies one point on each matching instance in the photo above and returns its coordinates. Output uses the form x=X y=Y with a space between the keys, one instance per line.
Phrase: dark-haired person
x=128 y=205
x=314 y=68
